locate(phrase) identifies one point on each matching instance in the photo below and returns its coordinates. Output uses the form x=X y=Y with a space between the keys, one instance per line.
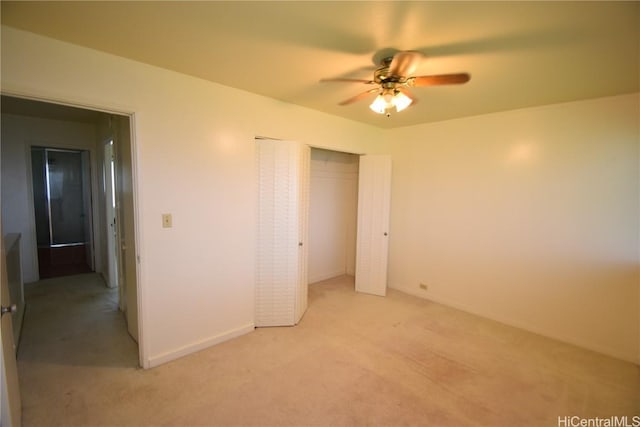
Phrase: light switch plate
x=167 y=221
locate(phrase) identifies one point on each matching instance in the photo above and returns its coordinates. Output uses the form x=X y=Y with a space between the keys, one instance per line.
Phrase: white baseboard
x=516 y=324
x=325 y=276
x=197 y=346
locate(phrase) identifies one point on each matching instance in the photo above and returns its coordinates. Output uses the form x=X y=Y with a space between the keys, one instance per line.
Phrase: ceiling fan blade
x=358 y=97
x=348 y=80
x=408 y=95
x=440 y=79
x=404 y=63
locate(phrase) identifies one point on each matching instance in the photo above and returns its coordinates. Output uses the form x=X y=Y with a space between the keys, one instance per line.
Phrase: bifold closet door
x=372 y=244
x=281 y=279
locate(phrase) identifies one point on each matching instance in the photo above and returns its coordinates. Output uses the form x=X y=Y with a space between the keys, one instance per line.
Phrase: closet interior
x=333 y=208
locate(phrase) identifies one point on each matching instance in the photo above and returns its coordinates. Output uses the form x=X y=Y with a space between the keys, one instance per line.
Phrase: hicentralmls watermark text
x=614 y=421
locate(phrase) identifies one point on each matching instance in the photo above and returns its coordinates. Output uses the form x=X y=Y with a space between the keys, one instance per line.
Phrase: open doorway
x=62 y=211
x=349 y=218
x=333 y=211
x=49 y=149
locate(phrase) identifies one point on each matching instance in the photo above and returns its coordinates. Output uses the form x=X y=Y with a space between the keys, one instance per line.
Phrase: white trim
x=197 y=346
x=66 y=103
x=336 y=149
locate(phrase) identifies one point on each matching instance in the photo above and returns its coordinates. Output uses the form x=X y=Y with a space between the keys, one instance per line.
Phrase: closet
x=333 y=212
x=347 y=233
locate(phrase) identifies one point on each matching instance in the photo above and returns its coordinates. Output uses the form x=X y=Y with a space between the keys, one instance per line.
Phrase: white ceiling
x=519 y=54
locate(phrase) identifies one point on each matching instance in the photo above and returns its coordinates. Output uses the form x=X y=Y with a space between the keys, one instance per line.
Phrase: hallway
x=75 y=321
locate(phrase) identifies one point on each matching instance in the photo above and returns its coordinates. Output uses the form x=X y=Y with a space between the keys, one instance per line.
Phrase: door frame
x=357 y=286
x=131 y=114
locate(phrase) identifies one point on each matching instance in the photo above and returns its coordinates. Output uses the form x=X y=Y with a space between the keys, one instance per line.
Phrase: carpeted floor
x=354 y=360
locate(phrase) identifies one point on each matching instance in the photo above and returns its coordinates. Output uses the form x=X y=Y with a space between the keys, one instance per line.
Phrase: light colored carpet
x=353 y=360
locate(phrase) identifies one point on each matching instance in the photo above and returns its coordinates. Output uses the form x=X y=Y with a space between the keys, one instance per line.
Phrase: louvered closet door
x=281 y=285
x=372 y=245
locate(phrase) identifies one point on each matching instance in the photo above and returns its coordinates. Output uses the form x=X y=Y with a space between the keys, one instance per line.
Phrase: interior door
x=304 y=177
x=281 y=282
x=124 y=191
x=10 y=404
x=372 y=245
x=66 y=204
x=110 y=206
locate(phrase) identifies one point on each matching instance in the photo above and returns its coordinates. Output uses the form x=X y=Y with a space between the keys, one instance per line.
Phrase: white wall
x=194 y=157
x=333 y=204
x=19 y=133
x=530 y=217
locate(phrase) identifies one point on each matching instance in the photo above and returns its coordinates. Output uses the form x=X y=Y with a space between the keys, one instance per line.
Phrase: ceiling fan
x=392 y=80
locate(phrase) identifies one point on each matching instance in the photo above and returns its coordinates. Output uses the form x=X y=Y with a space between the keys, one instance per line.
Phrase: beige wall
x=194 y=157
x=530 y=217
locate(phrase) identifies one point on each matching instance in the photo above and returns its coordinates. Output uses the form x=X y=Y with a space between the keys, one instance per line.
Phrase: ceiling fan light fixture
x=386 y=101
x=394 y=78
x=379 y=105
x=401 y=101
x=388 y=98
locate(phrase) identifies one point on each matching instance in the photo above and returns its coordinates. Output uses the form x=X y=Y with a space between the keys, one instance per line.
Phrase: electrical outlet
x=423 y=286
x=167 y=221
